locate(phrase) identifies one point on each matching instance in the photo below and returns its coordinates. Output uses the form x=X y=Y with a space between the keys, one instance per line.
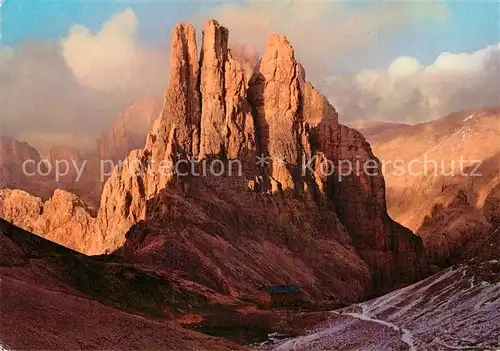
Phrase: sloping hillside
x=456 y=309
x=55 y=298
x=434 y=195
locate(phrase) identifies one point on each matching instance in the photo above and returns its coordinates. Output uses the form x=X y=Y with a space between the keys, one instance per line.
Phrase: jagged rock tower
x=272 y=223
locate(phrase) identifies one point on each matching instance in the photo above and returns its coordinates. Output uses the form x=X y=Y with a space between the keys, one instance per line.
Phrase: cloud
x=246 y=54
x=68 y=92
x=328 y=35
x=109 y=53
x=410 y=92
x=337 y=41
x=112 y=59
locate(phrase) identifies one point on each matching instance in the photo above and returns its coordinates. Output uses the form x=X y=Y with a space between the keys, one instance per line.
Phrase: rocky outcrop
x=213 y=117
x=294 y=125
x=38 y=176
x=485 y=239
x=274 y=92
x=63 y=218
x=182 y=102
x=124 y=198
x=391 y=251
x=436 y=149
x=20 y=207
x=283 y=219
x=185 y=127
x=226 y=123
x=294 y=122
x=459 y=231
x=298 y=126
x=492 y=206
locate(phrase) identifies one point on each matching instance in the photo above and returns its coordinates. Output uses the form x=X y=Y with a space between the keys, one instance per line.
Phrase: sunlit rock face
x=273 y=222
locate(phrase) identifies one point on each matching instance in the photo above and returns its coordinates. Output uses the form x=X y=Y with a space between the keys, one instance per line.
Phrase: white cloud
x=111 y=58
x=69 y=92
x=404 y=66
x=330 y=38
x=327 y=35
x=410 y=92
x=464 y=62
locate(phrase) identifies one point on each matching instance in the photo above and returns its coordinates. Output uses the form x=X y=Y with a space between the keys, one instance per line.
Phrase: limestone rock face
x=279 y=222
x=20 y=207
x=454 y=169
x=492 y=206
x=127 y=132
x=297 y=126
x=63 y=218
x=226 y=123
x=391 y=251
x=240 y=139
x=470 y=134
x=292 y=119
x=182 y=103
x=213 y=115
x=274 y=92
x=483 y=241
x=124 y=196
x=145 y=172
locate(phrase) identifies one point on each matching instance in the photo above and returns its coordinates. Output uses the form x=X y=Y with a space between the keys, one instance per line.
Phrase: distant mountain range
x=446 y=211
x=127 y=132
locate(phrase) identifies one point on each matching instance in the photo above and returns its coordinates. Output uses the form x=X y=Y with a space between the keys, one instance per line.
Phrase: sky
x=402 y=61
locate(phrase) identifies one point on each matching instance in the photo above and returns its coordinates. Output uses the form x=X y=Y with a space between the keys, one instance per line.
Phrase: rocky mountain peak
x=280 y=116
x=278 y=46
x=330 y=234
x=182 y=101
x=226 y=123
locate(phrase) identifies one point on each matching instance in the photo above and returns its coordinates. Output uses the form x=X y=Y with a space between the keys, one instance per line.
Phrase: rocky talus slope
x=273 y=221
x=456 y=309
x=446 y=204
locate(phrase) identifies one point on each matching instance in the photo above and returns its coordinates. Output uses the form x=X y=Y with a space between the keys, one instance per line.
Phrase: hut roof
x=281 y=289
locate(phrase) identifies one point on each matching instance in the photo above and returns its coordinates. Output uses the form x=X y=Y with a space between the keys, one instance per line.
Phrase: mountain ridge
x=446 y=206
x=325 y=230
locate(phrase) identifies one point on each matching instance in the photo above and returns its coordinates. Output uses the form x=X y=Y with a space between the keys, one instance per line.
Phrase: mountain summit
x=272 y=222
